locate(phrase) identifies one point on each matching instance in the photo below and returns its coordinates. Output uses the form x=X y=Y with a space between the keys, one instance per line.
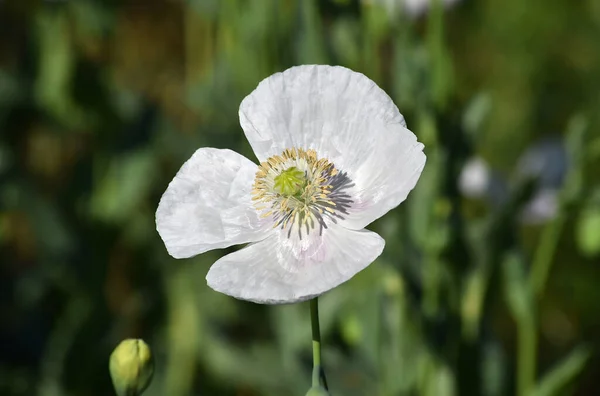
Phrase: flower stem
x=318 y=374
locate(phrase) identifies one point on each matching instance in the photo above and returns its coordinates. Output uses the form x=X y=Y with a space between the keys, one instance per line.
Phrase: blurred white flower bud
x=418 y=7
x=474 y=179
x=413 y=8
x=547 y=162
x=542 y=207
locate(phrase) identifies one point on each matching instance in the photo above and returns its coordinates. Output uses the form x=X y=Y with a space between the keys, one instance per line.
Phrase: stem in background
x=538 y=277
x=526 y=364
x=544 y=254
x=318 y=375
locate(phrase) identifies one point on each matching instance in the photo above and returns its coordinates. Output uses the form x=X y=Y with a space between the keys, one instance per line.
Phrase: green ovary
x=290 y=182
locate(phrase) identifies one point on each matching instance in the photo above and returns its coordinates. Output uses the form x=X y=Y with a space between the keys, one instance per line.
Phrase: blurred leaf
x=258 y=367
x=127 y=103
x=311 y=46
x=56 y=68
x=93 y=18
x=588 y=231
x=346 y=42
x=10 y=91
x=576 y=148
x=121 y=190
x=52 y=234
x=375 y=26
x=438 y=379
x=6 y=158
x=519 y=297
x=410 y=67
x=576 y=138
x=292 y=326
x=184 y=327
x=472 y=302
x=422 y=222
x=517 y=292
x=59 y=345
x=140 y=228
x=494 y=370
x=206 y=7
x=402 y=339
x=441 y=73
x=563 y=373
x=476 y=113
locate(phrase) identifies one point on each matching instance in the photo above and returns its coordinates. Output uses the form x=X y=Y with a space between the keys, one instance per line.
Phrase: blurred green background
x=490 y=280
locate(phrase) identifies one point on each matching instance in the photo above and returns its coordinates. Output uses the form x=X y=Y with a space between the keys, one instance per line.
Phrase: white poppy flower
x=334 y=156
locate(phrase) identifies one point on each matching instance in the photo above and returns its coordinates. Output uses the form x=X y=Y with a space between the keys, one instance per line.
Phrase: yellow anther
x=265 y=215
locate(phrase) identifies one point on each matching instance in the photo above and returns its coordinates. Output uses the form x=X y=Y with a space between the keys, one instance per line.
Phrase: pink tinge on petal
x=281 y=270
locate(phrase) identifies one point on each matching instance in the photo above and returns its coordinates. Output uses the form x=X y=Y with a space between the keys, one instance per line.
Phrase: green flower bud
x=317 y=391
x=131 y=367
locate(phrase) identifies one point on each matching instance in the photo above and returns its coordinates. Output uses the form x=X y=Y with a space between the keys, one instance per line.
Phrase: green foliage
x=317 y=391
x=102 y=102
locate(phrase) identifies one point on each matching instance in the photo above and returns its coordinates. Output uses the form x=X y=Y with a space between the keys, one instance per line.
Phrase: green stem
x=544 y=254
x=318 y=375
x=527 y=345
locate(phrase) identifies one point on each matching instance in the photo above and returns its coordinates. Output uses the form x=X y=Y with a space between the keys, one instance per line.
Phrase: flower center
x=301 y=192
x=290 y=182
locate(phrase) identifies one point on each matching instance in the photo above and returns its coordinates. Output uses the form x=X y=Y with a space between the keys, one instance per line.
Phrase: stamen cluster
x=300 y=191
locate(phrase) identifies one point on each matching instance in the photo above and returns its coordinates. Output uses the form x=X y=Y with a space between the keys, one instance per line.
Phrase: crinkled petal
x=325 y=108
x=386 y=176
x=208 y=205
x=346 y=118
x=279 y=270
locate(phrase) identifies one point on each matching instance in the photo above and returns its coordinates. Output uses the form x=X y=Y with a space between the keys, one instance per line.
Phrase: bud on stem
x=131 y=367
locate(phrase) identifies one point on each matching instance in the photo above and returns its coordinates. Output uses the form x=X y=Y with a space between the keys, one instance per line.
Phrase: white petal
x=208 y=205
x=347 y=119
x=385 y=176
x=277 y=270
x=325 y=108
